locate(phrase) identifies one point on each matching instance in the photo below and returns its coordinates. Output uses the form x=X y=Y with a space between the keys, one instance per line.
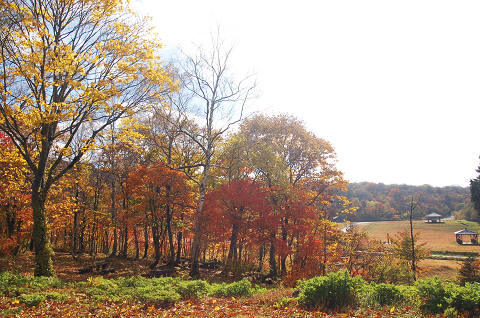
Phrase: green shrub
x=433 y=293
x=464 y=298
x=239 y=288
x=334 y=291
x=284 y=302
x=11 y=312
x=56 y=296
x=386 y=294
x=157 y=295
x=12 y=284
x=450 y=313
x=32 y=299
x=192 y=288
x=106 y=289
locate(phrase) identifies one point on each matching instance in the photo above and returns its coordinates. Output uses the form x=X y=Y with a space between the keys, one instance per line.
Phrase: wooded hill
x=378 y=201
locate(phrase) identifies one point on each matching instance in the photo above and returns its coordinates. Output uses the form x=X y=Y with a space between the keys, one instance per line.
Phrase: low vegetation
x=334 y=294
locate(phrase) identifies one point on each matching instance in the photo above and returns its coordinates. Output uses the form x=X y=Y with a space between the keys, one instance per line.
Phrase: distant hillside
x=378 y=201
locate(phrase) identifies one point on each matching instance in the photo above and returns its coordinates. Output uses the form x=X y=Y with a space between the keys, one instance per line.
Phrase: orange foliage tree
x=157 y=193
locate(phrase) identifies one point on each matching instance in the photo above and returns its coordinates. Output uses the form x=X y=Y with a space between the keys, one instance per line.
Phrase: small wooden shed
x=466 y=236
x=433 y=218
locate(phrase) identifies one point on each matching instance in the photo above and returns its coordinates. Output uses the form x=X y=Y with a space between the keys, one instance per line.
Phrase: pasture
x=439 y=237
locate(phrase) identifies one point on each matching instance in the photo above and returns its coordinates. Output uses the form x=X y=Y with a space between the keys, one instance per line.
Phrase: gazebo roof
x=465 y=231
x=433 y=215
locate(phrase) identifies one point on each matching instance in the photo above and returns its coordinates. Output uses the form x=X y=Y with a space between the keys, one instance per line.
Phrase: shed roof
x=466 y=232
x=433 y=215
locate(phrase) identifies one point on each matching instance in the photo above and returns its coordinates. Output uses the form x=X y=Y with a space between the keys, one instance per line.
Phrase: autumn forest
x=109 y=154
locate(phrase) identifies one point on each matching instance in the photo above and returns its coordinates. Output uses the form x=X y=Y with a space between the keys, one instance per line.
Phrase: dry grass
x=438 y=237
x=441 y=268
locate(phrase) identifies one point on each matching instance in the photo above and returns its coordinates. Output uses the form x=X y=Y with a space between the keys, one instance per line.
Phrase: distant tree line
x=378 y=201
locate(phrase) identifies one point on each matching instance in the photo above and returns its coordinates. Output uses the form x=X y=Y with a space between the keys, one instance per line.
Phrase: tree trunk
x=196 y=245
x=260 y=258
x=232 y=251
x=412 y=238
x=74 y=234
x=283 y=258
x=272 y=261
x=41 y=240
x=114 y=221
x=124 y=250
x=156 y=245
x=137 y=248
x=171 y=246
x=179 y=246
x=145 y=237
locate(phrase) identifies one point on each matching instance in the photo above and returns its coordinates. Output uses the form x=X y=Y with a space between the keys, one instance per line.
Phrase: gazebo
x=463 y=237
x=433 y=218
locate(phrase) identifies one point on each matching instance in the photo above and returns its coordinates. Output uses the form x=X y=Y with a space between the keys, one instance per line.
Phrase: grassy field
x=438 y=236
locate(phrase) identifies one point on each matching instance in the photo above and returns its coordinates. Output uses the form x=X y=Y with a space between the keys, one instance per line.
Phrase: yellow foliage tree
x=68 y=69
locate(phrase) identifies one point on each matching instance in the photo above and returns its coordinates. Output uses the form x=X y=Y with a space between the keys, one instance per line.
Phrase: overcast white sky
x=393 y=85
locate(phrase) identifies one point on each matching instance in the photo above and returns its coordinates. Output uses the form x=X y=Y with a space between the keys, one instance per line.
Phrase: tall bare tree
x=217 y=102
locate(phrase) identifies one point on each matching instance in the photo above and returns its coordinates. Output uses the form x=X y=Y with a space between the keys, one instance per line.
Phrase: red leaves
x=155 y=186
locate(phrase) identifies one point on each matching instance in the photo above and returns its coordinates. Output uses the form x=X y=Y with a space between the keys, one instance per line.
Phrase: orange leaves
x=156 y=186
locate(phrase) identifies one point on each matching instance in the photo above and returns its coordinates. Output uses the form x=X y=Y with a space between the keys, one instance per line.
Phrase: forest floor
x=67 y=268
x=268 y=303
x=265 y=304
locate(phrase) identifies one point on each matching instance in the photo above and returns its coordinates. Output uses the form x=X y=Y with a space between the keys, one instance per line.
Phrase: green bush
x=464 y=298
x=334 y=291
x=450 y=313
x=386 y=294
x=192 y=288
x=32 y=299
x=434 y=294
x=157 y=295
x=56 y=296
x=12 y=284
x=160 y=291
x=106 y=289
x=284 y=302
x=240 y=288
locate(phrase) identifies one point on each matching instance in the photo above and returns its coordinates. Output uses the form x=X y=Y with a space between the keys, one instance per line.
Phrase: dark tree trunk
x=41 y=240
x=171 y=245
x=156 y=245
x=179 y=246
x=260 y=258
x=74 y=234
x=11 y=220
x=145 y=237
x=124 y=249
x=283 y=259
x=137 y=248
x=412 y=238
x=106 y=246
x=114 y=221
x=232 y=251
x=272 y=261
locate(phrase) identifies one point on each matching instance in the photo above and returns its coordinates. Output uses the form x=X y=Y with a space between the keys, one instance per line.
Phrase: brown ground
x=67 y=268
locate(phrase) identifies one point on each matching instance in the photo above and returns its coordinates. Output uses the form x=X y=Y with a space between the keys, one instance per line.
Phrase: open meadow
x=439 y=238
